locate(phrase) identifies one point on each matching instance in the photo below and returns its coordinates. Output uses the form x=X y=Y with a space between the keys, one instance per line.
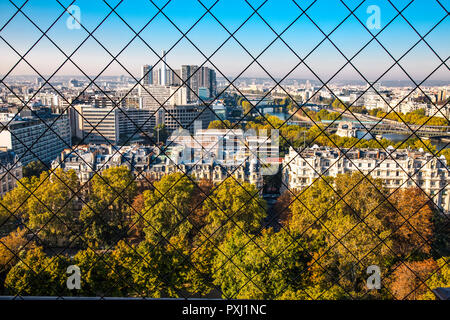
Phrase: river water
x=394 y=137
x=401 y=137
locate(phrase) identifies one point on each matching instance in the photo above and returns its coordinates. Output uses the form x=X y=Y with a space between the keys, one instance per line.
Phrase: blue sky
x=231 y=59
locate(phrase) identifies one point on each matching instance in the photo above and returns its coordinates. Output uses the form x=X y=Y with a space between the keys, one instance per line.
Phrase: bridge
x=379 y=128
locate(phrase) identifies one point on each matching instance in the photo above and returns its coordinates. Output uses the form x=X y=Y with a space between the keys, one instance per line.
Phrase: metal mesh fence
x=289 y=163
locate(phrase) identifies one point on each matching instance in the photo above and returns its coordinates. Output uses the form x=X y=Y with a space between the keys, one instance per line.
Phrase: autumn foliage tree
x=105 y=218
x=411 y=220
x=344 y=215
x=197 y=238
x=10 y=248
x=220 y=124
x=409 y=279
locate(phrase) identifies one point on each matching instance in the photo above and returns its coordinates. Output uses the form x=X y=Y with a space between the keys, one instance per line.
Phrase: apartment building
x=154 y=96
x=36 y=138
x=10 y=171
x=185 y=116
x=110 y=124
x=146 y=164
x=397 y=169
x=248 y=171
x=86 y=160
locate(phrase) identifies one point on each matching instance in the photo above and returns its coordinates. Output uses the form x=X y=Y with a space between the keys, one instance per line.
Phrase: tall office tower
x=190 y=78
x=196 y=78
x=146 y=76
x=177 y=78
x=212 y=83
x=442 y=96
x=169 y=77
x=164 y=79
x=308 y=85
x=155 y=77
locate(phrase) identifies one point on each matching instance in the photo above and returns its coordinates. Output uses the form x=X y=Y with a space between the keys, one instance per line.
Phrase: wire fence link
x=304 y=157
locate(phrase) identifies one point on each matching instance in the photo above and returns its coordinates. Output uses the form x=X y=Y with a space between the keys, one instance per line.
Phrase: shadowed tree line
x=181 y=238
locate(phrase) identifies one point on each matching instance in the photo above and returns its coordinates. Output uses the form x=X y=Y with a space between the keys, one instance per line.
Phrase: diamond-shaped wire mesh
x=229 y=149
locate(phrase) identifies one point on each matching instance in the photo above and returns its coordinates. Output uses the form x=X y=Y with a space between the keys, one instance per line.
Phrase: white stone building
x=401 y=168
x=146 y=164
x=86 y=160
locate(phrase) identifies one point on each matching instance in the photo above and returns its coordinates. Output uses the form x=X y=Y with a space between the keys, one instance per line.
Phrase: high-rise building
x=442 y=96
x=191 y=77
x=156 y=73
x=146 y=76
x=195 y=77
x=110 y=124
x=190 y=81
x=36 y=138
x=212 y=84
x=164 y=77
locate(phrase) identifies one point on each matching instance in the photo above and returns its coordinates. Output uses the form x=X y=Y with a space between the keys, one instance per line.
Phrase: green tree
x=220 y=124
x=160 y=268
x=269 y=266
x=36 y=274
x=234 y=205
x=98 y=274
x=166 y=207
x=53 y=207
x=106 y=218
x=34 y=168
